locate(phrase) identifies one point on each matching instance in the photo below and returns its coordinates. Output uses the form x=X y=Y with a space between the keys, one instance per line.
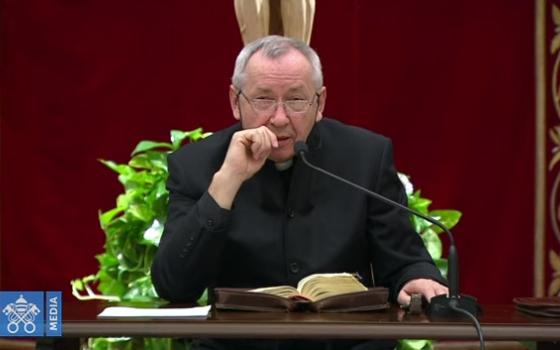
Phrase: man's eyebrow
x=263 y=90
x=298 y=89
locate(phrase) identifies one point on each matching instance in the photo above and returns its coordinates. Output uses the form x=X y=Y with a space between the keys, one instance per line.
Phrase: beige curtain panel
x=258 y=18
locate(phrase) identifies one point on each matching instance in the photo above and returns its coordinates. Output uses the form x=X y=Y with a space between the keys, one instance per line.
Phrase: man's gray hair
x=275 y=46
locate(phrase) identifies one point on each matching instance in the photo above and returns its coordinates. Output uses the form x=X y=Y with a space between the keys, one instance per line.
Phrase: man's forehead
x=290 y=60
x=293 y=65
x=261 y=88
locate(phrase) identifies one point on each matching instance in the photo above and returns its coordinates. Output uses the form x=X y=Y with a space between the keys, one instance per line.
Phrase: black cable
x=474 y=320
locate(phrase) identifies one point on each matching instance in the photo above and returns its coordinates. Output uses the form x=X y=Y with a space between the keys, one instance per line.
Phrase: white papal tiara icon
x=21 y=312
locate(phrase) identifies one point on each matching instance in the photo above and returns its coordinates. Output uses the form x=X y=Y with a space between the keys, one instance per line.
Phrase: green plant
x=132 y=233
x=430 y=236
x=134 y=227
x=428 y=231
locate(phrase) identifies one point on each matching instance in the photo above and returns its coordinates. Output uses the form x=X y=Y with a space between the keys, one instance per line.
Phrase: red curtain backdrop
x=451 y=82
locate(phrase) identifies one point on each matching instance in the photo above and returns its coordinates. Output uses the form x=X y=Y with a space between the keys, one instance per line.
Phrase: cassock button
x=294 y=267
x=290 y=212
x=209 y=222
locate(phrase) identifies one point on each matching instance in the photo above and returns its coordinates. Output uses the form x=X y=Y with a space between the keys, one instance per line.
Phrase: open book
x=341 y=292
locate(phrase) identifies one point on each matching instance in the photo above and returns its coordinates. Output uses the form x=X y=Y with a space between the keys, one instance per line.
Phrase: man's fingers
x=429 y=294
x=442 y=290
x=263 y=141
x=428 y=289
x=261 y=146
x=437 y=290
x=403 y=298
x=256 y=144
x=273 y=138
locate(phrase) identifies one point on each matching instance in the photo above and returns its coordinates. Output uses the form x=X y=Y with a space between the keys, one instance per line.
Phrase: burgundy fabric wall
x=451 y=82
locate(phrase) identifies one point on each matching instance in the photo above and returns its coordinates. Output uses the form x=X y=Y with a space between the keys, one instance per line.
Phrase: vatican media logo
x=24 y=314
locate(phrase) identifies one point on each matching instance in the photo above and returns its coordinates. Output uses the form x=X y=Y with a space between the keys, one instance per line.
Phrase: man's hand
x=428 y=288
x=247 y=153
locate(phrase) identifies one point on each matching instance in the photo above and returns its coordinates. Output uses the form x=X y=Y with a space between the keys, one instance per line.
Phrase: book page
x=199 y=312
x=281 y=291
x=320 y=286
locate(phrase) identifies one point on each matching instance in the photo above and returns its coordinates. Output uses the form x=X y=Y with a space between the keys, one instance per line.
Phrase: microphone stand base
x=441 y=306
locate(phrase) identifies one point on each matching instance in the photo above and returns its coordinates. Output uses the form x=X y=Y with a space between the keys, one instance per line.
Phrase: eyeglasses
x=295 y=107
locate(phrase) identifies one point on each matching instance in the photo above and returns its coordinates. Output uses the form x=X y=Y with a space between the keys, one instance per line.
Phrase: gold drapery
x=258 y=18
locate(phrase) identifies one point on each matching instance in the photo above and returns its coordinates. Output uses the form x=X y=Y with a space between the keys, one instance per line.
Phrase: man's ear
x=234 y=102
x=322 y=100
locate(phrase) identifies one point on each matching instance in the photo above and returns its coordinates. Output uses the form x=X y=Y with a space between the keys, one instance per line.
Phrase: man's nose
x=279 y=118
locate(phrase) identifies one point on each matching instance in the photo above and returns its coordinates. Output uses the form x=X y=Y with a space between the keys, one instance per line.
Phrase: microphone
x=441 y=305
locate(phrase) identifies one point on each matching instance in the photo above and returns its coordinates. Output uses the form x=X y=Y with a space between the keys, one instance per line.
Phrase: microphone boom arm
x=441 y=305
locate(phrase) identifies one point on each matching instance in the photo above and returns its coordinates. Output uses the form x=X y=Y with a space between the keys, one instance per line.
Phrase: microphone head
x=300 y=147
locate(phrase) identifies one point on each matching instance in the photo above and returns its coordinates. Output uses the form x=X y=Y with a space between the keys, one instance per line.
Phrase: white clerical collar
x=281 y=166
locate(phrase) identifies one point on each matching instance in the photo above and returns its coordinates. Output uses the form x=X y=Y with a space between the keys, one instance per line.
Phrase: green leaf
x=442 y=265
x=164 y=344
x=120 y=343
x=141 y=290
x=153 y=233
x=449 y=218
x=141 y=180
x=144 y=146
x=420 y=225
x=432 y=243
x=106 y=217
x=414 y=344
x=418 y=203
x=158 y=162
x=110 y=286
x=178 y=136
x=107 y=259
x=140 y=161
x=150 y=160
x=203 y=300
x=123 y=200
x=122 y=169
x=78 y=284
x=129 y=260
x=141 y=212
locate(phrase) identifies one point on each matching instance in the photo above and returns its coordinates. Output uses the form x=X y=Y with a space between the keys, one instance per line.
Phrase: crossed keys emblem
x=21 y=312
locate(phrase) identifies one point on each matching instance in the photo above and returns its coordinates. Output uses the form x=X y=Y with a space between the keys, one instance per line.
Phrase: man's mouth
x=282 y=140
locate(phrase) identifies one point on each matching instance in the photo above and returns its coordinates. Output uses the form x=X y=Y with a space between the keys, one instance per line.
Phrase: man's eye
x=263 y=101
x=296 y=102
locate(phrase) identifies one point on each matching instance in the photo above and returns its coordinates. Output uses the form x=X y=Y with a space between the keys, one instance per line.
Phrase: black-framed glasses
x=295 y=107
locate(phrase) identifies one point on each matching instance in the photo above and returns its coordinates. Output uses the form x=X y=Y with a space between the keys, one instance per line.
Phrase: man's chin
x=280 y=157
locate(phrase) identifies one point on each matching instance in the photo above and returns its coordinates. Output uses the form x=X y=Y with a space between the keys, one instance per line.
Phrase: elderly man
x=243 y=212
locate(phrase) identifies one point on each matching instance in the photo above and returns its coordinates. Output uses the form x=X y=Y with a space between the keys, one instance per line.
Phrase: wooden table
x=499 y=322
